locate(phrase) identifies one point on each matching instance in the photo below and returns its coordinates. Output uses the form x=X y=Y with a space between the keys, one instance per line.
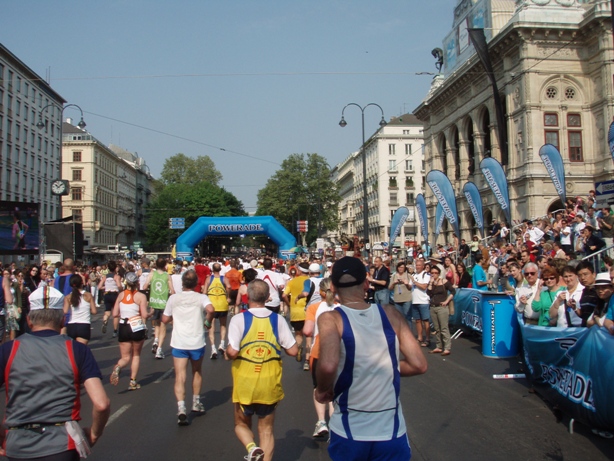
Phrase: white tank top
x=367 y=405
x=81 y=313
x=127 y=307
x=110 y=284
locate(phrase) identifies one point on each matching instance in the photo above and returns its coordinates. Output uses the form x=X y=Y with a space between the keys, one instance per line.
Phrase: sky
x=246 y=82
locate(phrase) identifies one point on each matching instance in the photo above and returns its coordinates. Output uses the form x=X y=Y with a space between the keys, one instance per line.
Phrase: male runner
x=218 y=290
x=160 y=288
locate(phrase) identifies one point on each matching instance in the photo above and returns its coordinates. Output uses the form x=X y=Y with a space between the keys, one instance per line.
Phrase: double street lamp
x=382 y=123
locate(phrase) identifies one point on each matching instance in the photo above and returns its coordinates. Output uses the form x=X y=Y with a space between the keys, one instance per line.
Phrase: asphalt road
x=455 y=411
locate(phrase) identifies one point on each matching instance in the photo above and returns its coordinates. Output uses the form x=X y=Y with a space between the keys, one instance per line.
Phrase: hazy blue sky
x=262 y=78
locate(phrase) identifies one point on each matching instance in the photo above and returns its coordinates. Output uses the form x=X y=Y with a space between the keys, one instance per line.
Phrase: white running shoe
x=255 y=454
x=198 y=407
x=321 y=429
x=159 y=354
x=182 y=417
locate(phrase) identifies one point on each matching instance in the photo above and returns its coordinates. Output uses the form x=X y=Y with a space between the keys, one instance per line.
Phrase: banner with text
x=472 y=194
x=573 y=369
x=553 y=162
x=444 y=193
x=439 y=217
x=424 y=225
x=398 y=219
x=495 y=177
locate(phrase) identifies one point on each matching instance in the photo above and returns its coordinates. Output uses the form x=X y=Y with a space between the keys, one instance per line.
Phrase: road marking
x=118 y=413
x=164 y=376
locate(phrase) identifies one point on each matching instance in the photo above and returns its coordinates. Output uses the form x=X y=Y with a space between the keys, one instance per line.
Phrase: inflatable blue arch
x=216 y=226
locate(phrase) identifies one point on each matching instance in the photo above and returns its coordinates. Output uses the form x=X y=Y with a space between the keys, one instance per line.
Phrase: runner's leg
x=265 y=435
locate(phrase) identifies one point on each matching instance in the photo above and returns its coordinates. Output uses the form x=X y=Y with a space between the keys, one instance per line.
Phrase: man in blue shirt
x=480 y=281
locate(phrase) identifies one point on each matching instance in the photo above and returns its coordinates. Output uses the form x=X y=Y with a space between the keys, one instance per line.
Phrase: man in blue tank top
x=359 y=370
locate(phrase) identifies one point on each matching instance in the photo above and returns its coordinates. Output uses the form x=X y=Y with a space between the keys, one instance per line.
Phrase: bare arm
x=90 y=299
x=116 y=306
x=330 y=330
x=413 y=361
x=100 y=411
x=148 y=282
x=6 y=286
x=308 y=328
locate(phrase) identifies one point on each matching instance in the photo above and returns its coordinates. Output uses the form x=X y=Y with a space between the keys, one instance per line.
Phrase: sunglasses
x=530 y=273
x=549 y=278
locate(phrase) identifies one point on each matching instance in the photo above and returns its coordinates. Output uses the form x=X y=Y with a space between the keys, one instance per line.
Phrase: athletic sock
x=249 y=446
x=181 y=405
x=196 y=399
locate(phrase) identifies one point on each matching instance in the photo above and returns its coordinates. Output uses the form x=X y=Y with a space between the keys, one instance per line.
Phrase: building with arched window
x=553 y=64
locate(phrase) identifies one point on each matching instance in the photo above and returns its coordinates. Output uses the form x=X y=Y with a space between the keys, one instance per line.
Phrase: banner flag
x=570 y=367
x=481 y=48
x=553 y=162
x=398 y=219
x=424 y=225
x=439 y=217
x=611 y=130
x=444 y=193
x=472 y=194
x=495 y=177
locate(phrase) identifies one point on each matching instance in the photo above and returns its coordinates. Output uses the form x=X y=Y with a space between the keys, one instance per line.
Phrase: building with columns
x=553 y=64
x=395 y=175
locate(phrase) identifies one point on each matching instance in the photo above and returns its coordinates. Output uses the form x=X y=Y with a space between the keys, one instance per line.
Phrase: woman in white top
x=81 y=306
x=131 y=311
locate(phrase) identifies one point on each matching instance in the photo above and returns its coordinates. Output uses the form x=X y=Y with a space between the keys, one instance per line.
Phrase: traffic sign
x=605 y=193
x=176 y=223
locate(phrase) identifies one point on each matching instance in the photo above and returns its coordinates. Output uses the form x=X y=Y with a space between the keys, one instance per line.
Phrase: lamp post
x=62 y=188
x=382 y=123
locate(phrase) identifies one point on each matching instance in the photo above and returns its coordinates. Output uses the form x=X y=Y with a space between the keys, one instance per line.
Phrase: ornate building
x=553 y=65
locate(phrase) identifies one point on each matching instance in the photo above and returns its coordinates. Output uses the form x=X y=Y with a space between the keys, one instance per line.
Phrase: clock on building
x=59 y=187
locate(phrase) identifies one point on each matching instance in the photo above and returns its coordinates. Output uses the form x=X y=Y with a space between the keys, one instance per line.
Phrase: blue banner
x=495 y=177
x=572 y=369
x=424 y=225
x=472 y=194
x=611 y=133
x=439 y=217
x=398 y=219
x=444 y=193
x=553 y=162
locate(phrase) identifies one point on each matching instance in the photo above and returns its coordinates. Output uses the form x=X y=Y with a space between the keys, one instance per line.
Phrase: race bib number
x=136 y=323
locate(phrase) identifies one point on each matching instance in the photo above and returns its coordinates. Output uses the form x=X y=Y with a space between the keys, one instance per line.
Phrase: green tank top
x=158 y=290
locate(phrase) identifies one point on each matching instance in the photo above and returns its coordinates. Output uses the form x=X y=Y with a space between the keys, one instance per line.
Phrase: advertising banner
x=472 y=194
x=398 y=219
x=424 y=225
x=572 y=369
x=495 y=177
x=553 y=162
x=439 y=217
x=444 y=193
x=611 y=131
x=19 y=228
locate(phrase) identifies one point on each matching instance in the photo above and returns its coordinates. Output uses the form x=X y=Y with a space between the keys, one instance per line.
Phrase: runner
x=111 y=284
x=130 y=310
x=234 y=279
x=190 y=312
x=160 y=288
x=81 y=306
x=297 y=305
x=275 y=282
x=218 y=290
x=255 y=340
x=311 y=293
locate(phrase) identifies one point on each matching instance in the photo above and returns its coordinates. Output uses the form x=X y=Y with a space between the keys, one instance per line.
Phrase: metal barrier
x=594 y=258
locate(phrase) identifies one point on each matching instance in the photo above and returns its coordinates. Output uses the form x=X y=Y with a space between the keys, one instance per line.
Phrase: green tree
x=181 y=169
x=301 y=189
x=189 y=202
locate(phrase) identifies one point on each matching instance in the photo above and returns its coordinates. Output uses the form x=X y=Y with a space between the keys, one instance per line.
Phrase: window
x=551 y=92
x=77 y=193
x=392 y=165
x=574 y=120
x=575 y=146
x=393 y=198
x=409 y=165
x=405 y=131
x=76 y=175
x=551 y=119
x=76 y=156
x=77 y=215
x=392 y=149
x=552 y=137
x=407 y=149
x=423 y=166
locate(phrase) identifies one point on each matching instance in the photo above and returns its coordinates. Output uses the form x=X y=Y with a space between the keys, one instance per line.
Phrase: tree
x=301 y=190
x=189 y=202
x=181 y=169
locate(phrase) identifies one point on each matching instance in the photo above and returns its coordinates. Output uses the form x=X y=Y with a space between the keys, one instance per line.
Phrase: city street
x=455 y=411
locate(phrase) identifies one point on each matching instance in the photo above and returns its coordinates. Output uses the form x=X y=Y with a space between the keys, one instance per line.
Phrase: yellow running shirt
x=297 y=306
x=217 y=294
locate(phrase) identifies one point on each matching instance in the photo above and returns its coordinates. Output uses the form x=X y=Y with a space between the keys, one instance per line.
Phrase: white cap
x=46 y=297
x=314 y=267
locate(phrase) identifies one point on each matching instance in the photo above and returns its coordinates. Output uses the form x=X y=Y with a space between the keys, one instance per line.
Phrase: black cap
x=350 y=267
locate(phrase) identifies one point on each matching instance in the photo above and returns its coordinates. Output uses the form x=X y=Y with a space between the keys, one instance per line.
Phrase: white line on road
x=118 y=413
x=164 y=376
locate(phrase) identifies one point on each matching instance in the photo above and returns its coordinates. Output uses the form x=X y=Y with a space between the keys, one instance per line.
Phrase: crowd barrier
x=573 y=369
x=491 y=314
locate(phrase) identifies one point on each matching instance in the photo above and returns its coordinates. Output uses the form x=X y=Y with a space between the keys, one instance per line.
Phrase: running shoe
x=159 y=354
x=321 y=429
x=198 y=407
x=114 y=333
x=222 y=347
x=133 y=386
x=154 y=348
x=213 y=354
x=104 y=326
x=115 y=375
x=182 y=417
x=306 y=366
x=255 y=454
x=299 y=356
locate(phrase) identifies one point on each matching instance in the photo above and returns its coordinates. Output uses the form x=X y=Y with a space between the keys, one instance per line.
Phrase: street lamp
x=382 y=123
x=61 y=187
